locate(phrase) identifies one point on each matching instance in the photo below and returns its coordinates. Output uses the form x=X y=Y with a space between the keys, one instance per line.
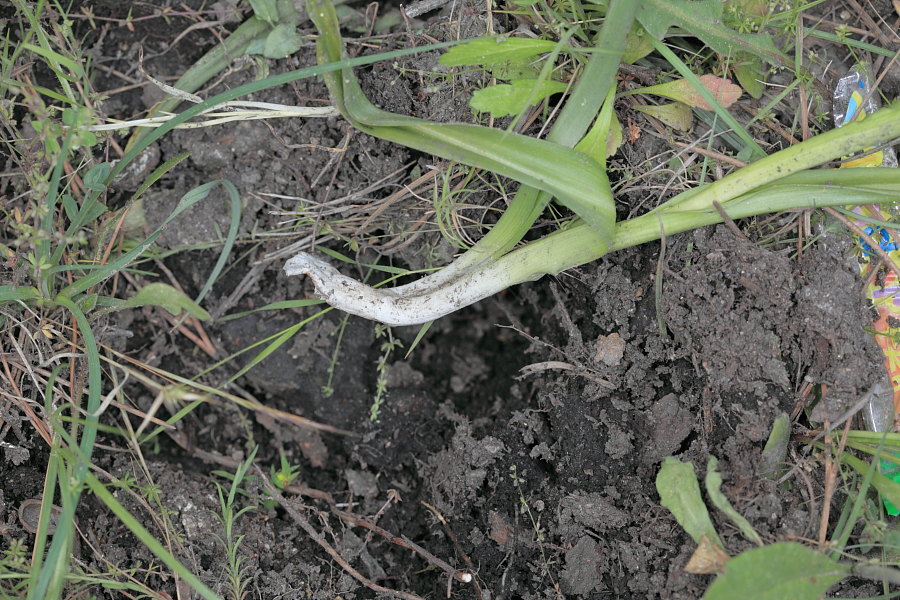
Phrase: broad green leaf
x=681 y=90
x=69 y=205
x=637 y=46
x=95 y=178
x=493 y=51
x=714 y=491
x=572 y=177
x=514 y=69
x=679 y=491
x=511 y=98
x=676 y=115
x=605 y=136
x=282 y=42
x=167 y=297
x=751 y=74
x=782 y=571
x=265 y=10
x=704 y=19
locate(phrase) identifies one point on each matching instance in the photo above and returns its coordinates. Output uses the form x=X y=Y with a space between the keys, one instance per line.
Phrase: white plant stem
x=434 y=297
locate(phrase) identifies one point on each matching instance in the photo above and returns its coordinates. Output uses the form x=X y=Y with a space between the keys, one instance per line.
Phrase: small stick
x=456 y=545
x=729 y=222
x=830 y=477
x=323 y=543
x=405 y=542
x=712 y=154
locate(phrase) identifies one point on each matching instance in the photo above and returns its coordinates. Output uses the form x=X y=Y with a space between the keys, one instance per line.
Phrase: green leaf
x=676 y=115
x=69 y=205
x=577 y=182
x=782 y=571
x=95 y=178
x=605 y=135
x=751 y=74
x=514 y=69
x=679 y=491
x=773 y=459
x=703 y=18
x=637 y=46
x=493 y=51
x=511 y=98
x=681 y=90
x=714 y=491
x=167 y=297
x=54 y=58
x=265 y=10
x=282 y=42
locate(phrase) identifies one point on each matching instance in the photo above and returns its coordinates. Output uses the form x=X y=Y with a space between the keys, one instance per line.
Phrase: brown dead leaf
x=723 y=90
x=707 y=559
x=634 y=132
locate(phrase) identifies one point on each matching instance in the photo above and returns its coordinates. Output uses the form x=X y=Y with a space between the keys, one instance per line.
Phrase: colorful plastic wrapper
x=855 y=98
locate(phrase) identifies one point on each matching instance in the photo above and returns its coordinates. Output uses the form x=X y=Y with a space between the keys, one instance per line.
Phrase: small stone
x=610 y=349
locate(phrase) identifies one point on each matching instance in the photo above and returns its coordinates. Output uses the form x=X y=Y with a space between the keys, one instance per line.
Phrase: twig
x=729 y=222
x=830 y=479
x=317 y=537
x=405 y=542
x=712 y=154
x=456 y=545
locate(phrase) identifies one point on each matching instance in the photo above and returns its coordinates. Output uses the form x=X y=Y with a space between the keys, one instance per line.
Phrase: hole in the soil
x=686 y=443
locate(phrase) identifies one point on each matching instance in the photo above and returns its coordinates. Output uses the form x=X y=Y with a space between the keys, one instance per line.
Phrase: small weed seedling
x=229 y=513
x=285 y=475
x=388 y=346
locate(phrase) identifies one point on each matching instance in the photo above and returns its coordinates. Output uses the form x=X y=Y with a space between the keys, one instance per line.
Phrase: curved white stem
x=396 y=306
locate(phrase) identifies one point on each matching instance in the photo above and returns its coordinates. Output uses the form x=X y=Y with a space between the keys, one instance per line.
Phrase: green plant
x=388 y=346
x=525 y=507
x=63 y=235
x=575 y=177
x=769 y=571
x=270 y=32
x=229 y=513
x=14 y=567
x=285 y=474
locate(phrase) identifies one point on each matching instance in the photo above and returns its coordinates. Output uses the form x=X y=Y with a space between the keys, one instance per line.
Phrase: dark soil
x=534 y=422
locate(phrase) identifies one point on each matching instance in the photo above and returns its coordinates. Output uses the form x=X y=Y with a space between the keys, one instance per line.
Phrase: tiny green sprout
x=286 y=473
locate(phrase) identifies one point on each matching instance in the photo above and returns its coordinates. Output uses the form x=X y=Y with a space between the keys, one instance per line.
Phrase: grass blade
x=147 y=538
